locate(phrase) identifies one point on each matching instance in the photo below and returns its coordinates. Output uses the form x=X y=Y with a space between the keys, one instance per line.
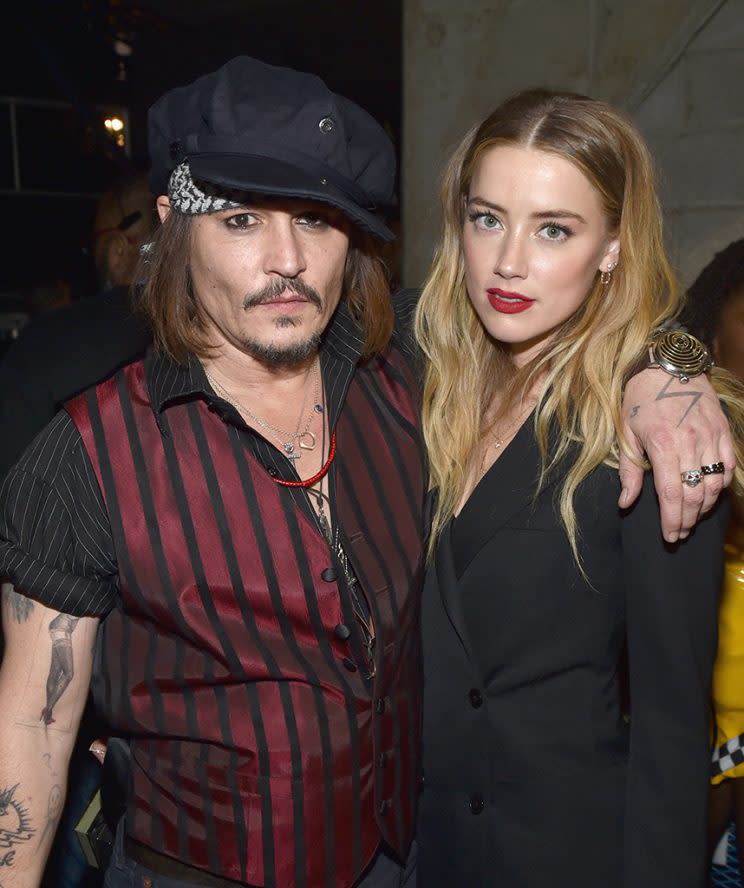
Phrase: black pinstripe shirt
x=55 y=541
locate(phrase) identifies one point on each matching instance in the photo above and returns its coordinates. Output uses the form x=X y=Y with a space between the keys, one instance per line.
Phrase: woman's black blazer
x=532 y=777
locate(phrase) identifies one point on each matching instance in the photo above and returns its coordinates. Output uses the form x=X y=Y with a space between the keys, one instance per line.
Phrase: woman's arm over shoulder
x=672 y=602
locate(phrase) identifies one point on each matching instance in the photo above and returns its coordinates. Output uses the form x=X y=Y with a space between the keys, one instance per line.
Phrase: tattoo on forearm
x=53 y=811
x=634 y=410
x=15 y=825
x=19 y=606
x=690 y=393
x=61 y=670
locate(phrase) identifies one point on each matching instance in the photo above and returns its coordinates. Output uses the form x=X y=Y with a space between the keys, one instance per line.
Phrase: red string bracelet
x=308 y=482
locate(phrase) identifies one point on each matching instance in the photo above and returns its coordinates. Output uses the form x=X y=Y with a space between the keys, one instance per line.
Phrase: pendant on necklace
x=306 y=445
x=497 y=442
x=289 y=448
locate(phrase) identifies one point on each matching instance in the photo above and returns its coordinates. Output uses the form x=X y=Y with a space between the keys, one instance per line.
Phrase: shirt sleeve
x=672 y=601
x=55 y=540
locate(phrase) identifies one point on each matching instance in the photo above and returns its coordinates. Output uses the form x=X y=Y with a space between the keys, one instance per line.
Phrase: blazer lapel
x=445 y=579
x=506 y=490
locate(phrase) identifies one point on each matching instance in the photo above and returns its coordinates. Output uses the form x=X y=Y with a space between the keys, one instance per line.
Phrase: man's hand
x=678 y=426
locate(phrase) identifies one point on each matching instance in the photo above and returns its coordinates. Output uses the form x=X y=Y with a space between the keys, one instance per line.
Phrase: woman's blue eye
x=484 y=220
x=553 y=231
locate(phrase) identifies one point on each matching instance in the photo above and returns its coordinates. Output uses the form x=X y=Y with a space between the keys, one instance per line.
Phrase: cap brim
x=267 y=175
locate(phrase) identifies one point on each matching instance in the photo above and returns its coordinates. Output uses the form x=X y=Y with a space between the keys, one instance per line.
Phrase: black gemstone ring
x=713 y=469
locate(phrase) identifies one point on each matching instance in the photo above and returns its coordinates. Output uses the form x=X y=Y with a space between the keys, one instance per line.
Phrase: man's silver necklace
x=291 y=443
x=362 y=612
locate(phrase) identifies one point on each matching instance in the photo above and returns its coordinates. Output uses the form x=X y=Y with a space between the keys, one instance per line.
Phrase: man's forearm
x=33 y=776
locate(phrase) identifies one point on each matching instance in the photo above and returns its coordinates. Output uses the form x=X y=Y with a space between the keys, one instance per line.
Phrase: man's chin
x=274 y=354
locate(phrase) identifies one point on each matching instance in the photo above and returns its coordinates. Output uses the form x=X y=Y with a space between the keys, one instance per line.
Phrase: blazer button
x=477 y=804
x=342 y=632
x=328 y=574
x=476 y=698
x=380 y=705
x=349 y=664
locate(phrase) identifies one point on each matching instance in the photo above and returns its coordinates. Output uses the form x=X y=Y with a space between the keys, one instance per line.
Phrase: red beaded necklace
x=308 y=482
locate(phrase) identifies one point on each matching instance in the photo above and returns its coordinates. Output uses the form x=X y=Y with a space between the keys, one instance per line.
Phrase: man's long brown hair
x=166 y=296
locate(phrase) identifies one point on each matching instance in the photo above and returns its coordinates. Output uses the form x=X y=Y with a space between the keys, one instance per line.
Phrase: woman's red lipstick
x=508 y=303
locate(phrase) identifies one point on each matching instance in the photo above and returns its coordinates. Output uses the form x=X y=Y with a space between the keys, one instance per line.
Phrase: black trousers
x=124 y=872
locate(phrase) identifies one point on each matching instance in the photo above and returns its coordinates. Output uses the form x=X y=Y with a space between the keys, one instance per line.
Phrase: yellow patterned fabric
x=728 y=674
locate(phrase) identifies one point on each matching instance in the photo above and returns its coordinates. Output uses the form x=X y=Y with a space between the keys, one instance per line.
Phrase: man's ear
x=163 y=207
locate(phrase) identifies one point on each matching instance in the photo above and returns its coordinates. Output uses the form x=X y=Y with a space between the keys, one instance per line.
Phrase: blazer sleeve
x=671 y=610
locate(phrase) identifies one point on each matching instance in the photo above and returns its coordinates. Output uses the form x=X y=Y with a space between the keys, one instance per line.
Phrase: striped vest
x=261 y=751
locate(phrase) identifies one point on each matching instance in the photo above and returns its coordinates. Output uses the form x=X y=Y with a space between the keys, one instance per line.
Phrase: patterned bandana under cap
x=187 y=197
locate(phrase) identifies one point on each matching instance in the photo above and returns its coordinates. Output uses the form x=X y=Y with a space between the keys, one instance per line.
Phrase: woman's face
x=534 y=237
x=728 y=346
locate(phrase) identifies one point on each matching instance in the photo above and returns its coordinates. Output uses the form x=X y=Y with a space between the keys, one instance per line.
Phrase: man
x=244 y=510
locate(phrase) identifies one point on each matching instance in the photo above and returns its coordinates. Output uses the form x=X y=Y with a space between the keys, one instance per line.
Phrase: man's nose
x=285 y=254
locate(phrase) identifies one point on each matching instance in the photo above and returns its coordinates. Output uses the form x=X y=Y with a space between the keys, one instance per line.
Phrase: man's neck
x=242 y=372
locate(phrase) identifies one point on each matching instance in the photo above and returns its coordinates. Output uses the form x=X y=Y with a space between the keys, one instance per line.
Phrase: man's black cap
x=257 y=128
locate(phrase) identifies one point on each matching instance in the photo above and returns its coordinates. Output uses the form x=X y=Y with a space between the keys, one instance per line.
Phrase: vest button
x=349 y=664
x=476 y=804
x=385 y=805
x=342 y=632
x=380 y=705
x=476 y=698
x=273 y=472
x=382 y=759
x=328 y=574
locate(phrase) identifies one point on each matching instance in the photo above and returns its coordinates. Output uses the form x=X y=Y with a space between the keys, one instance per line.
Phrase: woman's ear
x=611 y=256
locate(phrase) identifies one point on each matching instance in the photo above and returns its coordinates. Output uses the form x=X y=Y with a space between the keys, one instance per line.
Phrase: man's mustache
x=276 y=288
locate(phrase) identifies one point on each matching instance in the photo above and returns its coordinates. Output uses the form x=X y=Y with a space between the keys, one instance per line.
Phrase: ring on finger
x=713 y=469
x=692 y=477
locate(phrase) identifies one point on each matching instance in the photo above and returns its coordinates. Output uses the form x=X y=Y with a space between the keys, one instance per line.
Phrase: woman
x=714 y=312
x=549 y=278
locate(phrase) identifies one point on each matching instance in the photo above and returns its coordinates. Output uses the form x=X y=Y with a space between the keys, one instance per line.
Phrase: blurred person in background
x=63 y=352
x=715 y=314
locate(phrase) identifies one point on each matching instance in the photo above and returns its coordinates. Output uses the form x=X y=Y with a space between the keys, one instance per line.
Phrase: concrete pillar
x=460 y=59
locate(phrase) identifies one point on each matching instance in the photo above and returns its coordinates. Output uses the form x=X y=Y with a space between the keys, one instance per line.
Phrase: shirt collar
x=169 y=382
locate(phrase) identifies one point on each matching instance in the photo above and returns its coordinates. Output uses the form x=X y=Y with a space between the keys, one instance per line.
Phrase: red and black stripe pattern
x=262 y=750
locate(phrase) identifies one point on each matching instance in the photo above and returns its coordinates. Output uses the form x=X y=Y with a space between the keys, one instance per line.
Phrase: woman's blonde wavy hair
x=584 y=365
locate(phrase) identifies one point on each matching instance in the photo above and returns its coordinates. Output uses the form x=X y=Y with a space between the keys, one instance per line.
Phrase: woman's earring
x=606 y=276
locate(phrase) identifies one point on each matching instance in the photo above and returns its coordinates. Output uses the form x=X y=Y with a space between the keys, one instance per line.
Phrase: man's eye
x=313 y=220
x=240 y=220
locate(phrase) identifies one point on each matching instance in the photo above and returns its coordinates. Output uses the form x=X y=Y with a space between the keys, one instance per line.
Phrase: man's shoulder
x=404 y=307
